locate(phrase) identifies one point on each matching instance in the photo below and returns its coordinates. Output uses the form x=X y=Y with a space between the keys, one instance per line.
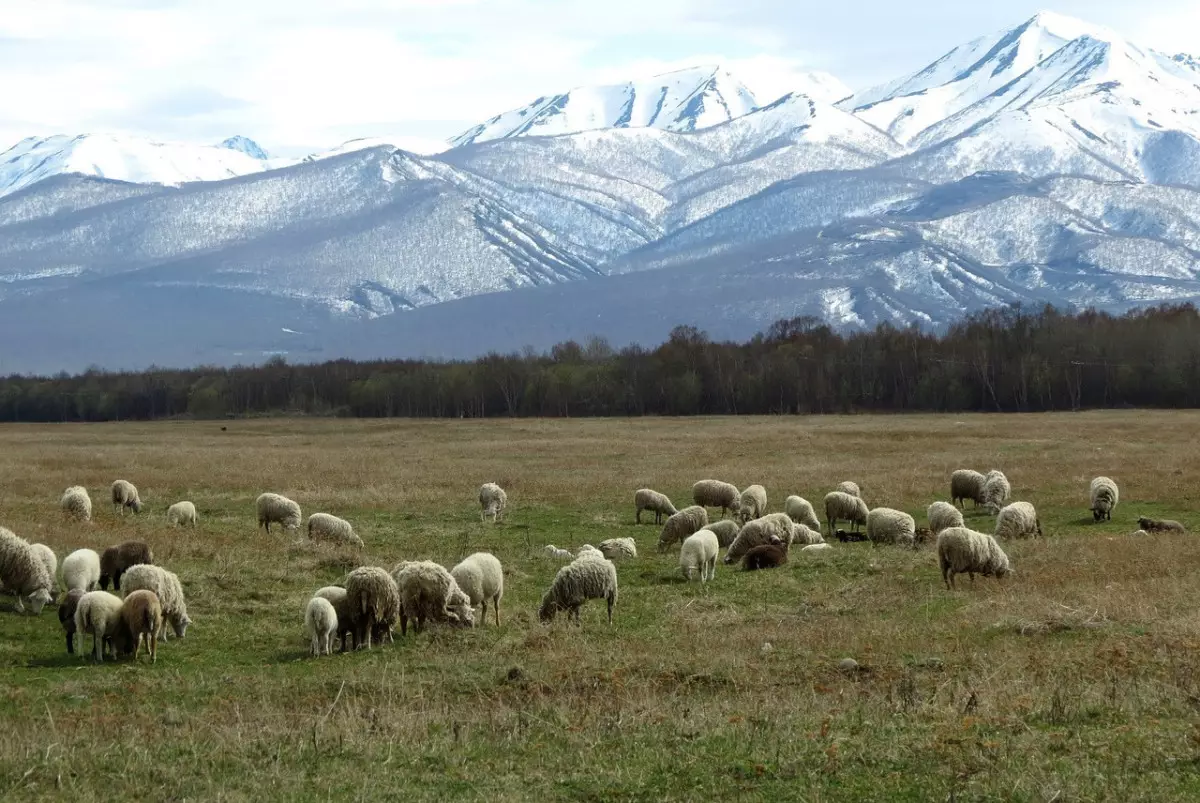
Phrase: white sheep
x=481 y=578
x=76 y=503
x=698 y=556
x=715 y=493
x=49 y=560
x=888 y=526
x=23 y=573
x=588 y=551
x=166 y=586
x=995 y=490
x=649 y=499
x=841 y=505
x=429 y=592
x=321 y=621
x=577 y=582
x=341 y=606
x=493 y=500
x=803 y=534
x=1104 y=497
x=277 y=509
x=374 y=603
x=758 y=532
x=181 y=513
x=966 y=484
x=726 y=530
x=681 y=525
x=99 y=613
x=81 y=570
x=551 y=551
x=613 y=548
x=125 y=495
x=821 y=547
x=848 y=487
x=962 y=550
x=324 y=527
x=752 y=503
x=942 y=515
x=1018 y=520
x=801 y=510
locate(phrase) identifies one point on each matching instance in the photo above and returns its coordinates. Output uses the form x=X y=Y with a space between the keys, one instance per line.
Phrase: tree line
x=1007 y=359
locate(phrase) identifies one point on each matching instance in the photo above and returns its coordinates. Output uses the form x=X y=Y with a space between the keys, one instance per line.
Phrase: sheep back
x=182 y=513
x=277 y=509
x=715 y=493
x=848 y=487
x=481 y=578
x=81 y=570
x=76 y=503
x=759 y=531
x=429 y=592
x=576 y=583
x=752 y=503
x=965 y=551
x=943 y=515
x=840 y=505
x=801 y=510
x=765 y=556
x=326 y=527
x=117 y=559
x=614 y=548
x=1018 y=520
x=726 y=530
x=888 y=526
x=966 y=484
x=681 y=525
x=650 y=499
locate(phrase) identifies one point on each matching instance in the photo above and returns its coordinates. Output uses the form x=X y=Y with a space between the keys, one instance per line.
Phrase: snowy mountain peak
x=245 y=145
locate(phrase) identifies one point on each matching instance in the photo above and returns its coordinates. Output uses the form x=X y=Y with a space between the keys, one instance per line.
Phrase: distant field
x=1078 y=678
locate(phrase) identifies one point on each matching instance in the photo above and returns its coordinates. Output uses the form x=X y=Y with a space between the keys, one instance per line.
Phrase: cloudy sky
x=302 y=75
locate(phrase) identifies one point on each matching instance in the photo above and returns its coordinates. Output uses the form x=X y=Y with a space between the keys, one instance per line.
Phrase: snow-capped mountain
x=247 y=146
x=820 y=86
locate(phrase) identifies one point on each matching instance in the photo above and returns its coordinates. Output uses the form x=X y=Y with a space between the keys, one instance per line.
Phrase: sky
x=300 y=76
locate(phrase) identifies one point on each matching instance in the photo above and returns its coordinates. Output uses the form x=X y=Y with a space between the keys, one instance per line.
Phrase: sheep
x=714 y=493
x=575 y=584
x=125 y=495
x=759 y=531
x=324 y=527
x=428 y=591
x=492 y=500
x=99 y=613
x=648 y=499
x=76 y=503
x=81 y=570
x=752 y=503
x=613 y=548
x=23 y=573
x=699 y=554
x=1161 y=525
x=888 y=526
x=551 y=551
x=117 y=559
x=765 y=556
x=801 y=510
x=66 y=615
x=942 y=515
x=142 y=619
x=726 y=530
x=681 y=525
x=1103 y=495
x=841 y=505
x=481 y=578
x=816 y=547
x=321 y=621
x=961 y=550
x=277 y=509
x=341 y=607
x=374 y=603
x=967 y=484
x=588 y=551
x=1139 y=533
x=1018 y=520
x=46 y=555
x=848 y=537
x=803 y=534
x=181 y=513
x=848 y=487
x=168 y=589
x=995 y=490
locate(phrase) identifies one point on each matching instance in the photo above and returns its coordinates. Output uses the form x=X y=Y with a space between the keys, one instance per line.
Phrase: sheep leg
x=137 y=646
x=496 y=605
x=403 y=624
x=70 y=643
x=637 y=516
x=611 y=600
x=483 y=613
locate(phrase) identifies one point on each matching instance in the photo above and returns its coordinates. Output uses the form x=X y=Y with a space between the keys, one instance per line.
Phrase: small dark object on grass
x=844 y=536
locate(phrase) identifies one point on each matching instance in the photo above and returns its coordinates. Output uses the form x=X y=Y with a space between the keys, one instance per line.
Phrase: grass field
x=1077 y=678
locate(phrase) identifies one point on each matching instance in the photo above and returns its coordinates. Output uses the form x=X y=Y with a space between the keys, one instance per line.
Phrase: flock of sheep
x=371 y=600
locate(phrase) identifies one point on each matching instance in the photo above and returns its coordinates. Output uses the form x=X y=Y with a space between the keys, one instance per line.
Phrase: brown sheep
x=66 y=616
x=142 y=618
x=116 y=559
x=771 y=555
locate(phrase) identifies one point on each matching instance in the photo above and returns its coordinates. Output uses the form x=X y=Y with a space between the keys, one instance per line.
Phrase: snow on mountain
x=247 y=146
x=418 y=145
x=820 y=86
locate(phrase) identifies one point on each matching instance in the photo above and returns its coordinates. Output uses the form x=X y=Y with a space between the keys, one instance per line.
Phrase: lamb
x=995 y=490
x=117 y=559
x=374 y=603
x=76 y=503
x=961 y=550
x=481 y=578
x=168 y=589
x=588 y=551
x=125 y=495
x=324 y=527
x=1103 y=495
x=619 y=548
x=943 y=515
x=1018 y=520
x=803 y=534
x=967 y=484
x=321 y=620
x=99 y=613
x=726 y=530
x=765 y=556
x=428 y=591
x=699 y=554
x=888 y=526
x=142 y=619
x=714 y=493
x=81 y=570
x=753 y=503
x=66 y=616
x=848 y=487
x=181 y=513
x=648 y=499
x=816 y=547
x=1161 y=525
x=46 y=555
x=841 y=505
x=551 y=551
x=492 y=500
x=341 y=607
x=681 y=525
x=801 y=510
x=575 y=584
x=757 y=532
x=277 y=509
x=23 y=573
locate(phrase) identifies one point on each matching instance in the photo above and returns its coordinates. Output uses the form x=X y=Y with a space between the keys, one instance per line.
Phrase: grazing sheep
x=481 y=578
x=841 y=505
x=995 y=490
x=758 y=532
x=967 y=484
x=341 y=607
x=848 y=487
x=1103 y=495
x=76 y=503
x=752 y=503
x=805 y=535
x=142 y=617
x=66 y=616
x=726 y=530
x=943 y=515
x=277 y=509
x=1018 y=520
x=23 y=573
x=99 y=613
x=429 y=592
x=699 y=554
x=550 y=550
x=81 y=570
x=816 y=547
x=801 y=510
x=493 y=500
x=181 y=513
x=681 y=525
x=166 y=586
x=575 y=584
x=613 y=548
x=961 y=550
x=116 y=560
x=714 y=493
x=765 y=556
x=374 y=603
x=648 y=499
x=324 y=527
x=46 y=555
x=321 y=621
x=888 y=526
x=125 y=495
x=1161 y=525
